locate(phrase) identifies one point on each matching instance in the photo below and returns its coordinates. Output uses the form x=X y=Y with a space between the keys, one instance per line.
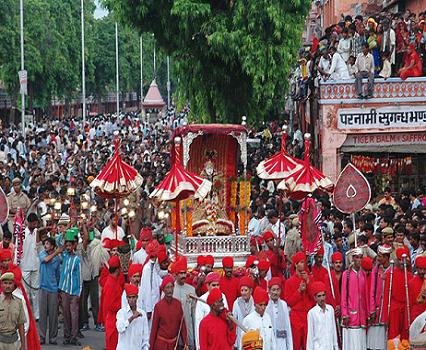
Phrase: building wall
x=416 y=6
x=393 y=93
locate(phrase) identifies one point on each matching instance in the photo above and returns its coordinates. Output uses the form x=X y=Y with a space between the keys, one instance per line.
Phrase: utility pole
x=168 y=82
x=141 y=57
x=83 y=68
x=21 y=12
x=116 y=69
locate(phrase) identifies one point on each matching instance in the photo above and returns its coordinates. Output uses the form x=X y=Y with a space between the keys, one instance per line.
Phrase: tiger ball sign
x=352 y=191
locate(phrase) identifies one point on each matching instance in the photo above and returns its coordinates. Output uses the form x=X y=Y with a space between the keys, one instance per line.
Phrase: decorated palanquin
x=218 y=223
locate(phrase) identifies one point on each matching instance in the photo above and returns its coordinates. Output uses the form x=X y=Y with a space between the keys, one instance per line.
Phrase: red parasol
x=180 y=184
x=280 y=166
x=307 y=179
x=116 y=180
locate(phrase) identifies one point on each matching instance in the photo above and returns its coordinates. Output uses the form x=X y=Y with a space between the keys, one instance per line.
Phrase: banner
x=309 y=217
x=23 y=81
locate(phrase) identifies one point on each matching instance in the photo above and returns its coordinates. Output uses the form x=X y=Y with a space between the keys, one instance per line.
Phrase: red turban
x=131 y=289
x=135 y=269
x=367 y=263
x=114 y=261
x=201 y=260
x=152 y=248
x=162 y=256
x=166 y=280
x=246 y=281
x=255 y=239
x=275 y=281
x=251 y=260
x=401 y=251
x=209 y=260
x=260 y=296
x=180 y=265
x=145 y=234
x=421 y=262
x=263 y=265
x=214 y=295
x=317 y=287
x=267 y=235
x=298 y=257
x=337 y=256
x=228 y=262
x=138 y=245
x=5 y=254
x=212 y=277
x=320 y=251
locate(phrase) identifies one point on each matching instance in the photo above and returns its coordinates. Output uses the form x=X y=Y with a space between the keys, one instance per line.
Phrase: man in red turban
x=260 y=320
x=244 y=304
x=181 y=292
x=299 y=298
x=319 y=272
x=145 y=236
x=199 y=283
x=228 y=283
x=217 y=331
x=113 y=290
x=275 y=254
x=168 y=324
x=134 y=273
x=398 y=322
x=415 y=287
x=132 y=323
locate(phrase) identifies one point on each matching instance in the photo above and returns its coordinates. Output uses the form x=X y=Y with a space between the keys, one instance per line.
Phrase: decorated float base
x=237 y=247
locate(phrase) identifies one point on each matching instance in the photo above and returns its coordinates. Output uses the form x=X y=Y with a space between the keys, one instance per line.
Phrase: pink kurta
x=354 y=298
x=377 y=300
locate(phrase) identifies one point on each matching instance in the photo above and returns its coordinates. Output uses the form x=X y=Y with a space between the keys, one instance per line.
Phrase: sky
x=100 y=12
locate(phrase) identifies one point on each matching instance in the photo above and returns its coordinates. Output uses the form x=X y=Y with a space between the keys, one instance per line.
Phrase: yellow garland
x=248 y=193
x=242 y=222
x=233 y=201
x=173 y=217
x=189 y=217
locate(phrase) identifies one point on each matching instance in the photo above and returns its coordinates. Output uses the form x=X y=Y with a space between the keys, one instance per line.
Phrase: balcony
x=392 y=90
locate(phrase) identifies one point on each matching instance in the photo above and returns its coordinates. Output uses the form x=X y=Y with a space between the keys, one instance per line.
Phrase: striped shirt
x=70 y=280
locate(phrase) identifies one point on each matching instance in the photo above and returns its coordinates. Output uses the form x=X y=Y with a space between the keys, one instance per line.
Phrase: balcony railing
x=390 y=90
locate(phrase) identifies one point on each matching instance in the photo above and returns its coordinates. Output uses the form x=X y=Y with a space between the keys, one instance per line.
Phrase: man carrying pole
x=376 y=335
x=397 y=292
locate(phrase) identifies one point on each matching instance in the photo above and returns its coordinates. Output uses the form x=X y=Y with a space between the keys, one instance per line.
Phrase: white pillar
x=141 y=57
x=168 y=82
x=155 y=63
x=21 y=12
x=116 y=70
x=83 y=68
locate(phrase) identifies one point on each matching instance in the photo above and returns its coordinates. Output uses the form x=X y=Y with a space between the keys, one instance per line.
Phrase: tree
x=233 y=58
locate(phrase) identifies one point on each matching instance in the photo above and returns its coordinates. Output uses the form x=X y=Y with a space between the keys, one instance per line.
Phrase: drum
x=252 y=340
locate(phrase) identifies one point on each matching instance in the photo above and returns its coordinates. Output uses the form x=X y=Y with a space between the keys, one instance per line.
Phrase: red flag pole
x=116 y=218
x=177 y=208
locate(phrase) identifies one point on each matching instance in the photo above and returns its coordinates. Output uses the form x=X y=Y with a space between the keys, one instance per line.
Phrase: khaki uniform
x=11 y=317
x=15 y=201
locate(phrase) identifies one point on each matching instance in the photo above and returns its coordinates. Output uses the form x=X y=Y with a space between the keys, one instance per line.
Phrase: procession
x=274 y=200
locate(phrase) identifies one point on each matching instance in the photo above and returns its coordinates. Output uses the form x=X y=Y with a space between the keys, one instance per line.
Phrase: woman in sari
x=412 y=64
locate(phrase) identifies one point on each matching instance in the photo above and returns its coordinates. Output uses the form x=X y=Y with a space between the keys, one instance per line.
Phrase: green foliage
x=232 y=57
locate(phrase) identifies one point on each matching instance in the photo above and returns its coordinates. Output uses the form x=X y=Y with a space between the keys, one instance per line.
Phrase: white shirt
x=240 y=314
x=264 y=324
x=344 y=48
x=201 y=311
x=282 y=343
x=275 y=228
x=134 y=335
x=30 y=261
x=321 y=329
x=150 y=286
x=338 y=69
x=18 y=294
x=365 y=63
x=109 y=232
x=139 y=257
x=253 y=226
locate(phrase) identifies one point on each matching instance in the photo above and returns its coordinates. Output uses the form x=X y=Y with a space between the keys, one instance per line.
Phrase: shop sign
x=382 y=117
x=412 y=138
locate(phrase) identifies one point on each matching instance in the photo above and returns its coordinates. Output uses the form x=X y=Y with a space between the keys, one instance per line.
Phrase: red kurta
x=102 y=280
x=414 y=288
x=112 y=303
x=167 y=320
x=398 y=323
x=300 y=304
x=320 y=274
x=278 y=264
x=215 y=334
x=229 y=287
x=329 y=293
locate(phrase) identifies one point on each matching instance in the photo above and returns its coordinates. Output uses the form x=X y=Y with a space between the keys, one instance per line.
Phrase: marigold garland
x=189 y=210
x=233 y=201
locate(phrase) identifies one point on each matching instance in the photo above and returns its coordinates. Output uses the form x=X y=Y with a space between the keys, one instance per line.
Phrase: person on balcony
x=412 y=64
x=338 y=69
x=365 y=67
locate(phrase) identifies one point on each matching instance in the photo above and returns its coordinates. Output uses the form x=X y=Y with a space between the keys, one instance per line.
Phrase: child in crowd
x=387 y=67
x=351 y=67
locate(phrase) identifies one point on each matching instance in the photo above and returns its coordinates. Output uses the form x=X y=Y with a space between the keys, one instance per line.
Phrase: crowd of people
x=385 y=45
x=347 y=295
